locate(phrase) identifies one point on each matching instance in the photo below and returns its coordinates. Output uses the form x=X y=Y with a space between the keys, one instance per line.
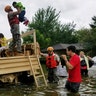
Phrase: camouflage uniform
x=16 y=38
x=14 y=24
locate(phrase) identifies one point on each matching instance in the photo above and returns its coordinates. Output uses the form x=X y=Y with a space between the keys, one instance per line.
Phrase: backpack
x=91 y=63
x=83 y=63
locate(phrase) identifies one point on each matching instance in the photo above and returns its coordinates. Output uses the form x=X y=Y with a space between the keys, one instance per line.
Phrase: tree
x=93 y=24
x=45 y=21
x=87 y=37
x=49 y=30
x=83 y=35
x=42 y=40
x=93 y=33
x=68 y=33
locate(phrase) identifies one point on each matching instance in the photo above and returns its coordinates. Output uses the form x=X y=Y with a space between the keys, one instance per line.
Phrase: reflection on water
x=87 y=88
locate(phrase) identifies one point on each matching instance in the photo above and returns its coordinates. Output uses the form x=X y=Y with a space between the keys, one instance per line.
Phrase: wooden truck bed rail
x=16 y=64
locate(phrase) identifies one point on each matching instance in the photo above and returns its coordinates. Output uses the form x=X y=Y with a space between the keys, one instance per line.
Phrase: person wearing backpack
x=85 y=63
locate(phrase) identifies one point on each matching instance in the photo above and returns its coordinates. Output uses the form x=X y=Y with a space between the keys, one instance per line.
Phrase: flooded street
x=87 y=88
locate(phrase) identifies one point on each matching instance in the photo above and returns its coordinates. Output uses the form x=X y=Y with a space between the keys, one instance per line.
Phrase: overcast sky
x=79 y=11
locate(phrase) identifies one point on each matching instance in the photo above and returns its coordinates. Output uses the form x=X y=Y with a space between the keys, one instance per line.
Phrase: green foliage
x=49 y=31
x=28 y=39
x=68 y=33
x=83 y=35
x=88 y=38
x=93 y=24
x=42 y=40
x=93 y=35
x=45 y=21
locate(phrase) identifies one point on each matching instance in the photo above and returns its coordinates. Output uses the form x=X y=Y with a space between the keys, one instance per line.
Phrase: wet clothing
x=51 y=63
x=52 y=76
x=84 y=72
x=72 y=86
x=74 y=78
x=14 y=24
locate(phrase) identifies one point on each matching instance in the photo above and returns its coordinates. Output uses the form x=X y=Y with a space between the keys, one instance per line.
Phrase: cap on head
x=50 y=49
x=7 y=8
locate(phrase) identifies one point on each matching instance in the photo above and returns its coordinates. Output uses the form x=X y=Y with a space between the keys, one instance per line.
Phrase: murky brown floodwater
x=87 y=88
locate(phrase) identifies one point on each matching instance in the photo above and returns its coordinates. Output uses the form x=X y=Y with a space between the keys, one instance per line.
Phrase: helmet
x=7 y=8
x=50 y=49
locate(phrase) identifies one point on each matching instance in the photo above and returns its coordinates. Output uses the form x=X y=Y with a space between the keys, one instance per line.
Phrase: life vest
x=51 y=62
x=13 y=20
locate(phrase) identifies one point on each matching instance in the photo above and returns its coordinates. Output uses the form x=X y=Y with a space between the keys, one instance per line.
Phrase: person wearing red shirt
x=73 y=65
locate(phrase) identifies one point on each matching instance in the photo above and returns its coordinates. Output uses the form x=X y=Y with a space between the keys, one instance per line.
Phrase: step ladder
x=37 y=71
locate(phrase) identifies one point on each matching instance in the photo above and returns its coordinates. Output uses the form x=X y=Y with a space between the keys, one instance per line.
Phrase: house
x=61 y=48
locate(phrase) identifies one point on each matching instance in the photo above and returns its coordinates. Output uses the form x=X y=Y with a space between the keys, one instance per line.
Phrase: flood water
x=87 y=88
